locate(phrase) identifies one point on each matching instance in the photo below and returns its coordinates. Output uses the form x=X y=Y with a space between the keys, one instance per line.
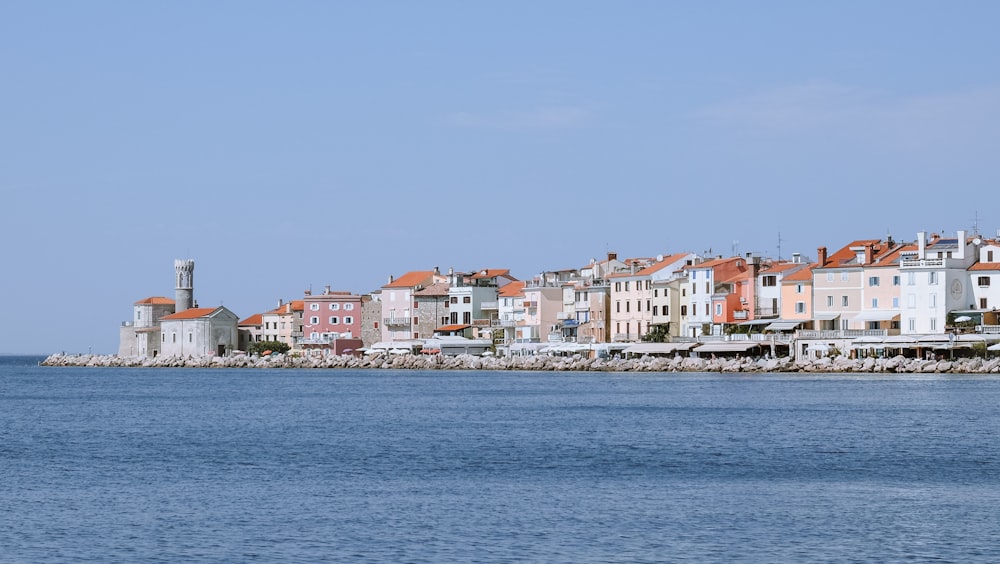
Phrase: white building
x=935 y=281
x=198 y=332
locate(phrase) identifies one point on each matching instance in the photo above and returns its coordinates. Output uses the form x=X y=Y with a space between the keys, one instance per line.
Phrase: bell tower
x=184 y=290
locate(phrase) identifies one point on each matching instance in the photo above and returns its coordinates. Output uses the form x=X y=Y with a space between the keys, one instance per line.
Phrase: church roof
x=155 y=300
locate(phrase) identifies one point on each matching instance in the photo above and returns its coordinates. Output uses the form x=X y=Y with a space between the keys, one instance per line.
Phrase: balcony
x=396 y=321
x=489 y=305
x=841 y=334
x=481 y=323
x=741 y=314
x=582 y=306
x=922 y=263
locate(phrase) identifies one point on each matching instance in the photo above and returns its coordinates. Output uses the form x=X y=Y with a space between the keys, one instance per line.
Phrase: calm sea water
x=380 y=466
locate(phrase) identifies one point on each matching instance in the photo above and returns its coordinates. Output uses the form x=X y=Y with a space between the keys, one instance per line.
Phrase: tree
x=274 y=346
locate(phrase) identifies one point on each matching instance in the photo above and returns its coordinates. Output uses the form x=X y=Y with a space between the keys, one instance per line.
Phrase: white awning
x=826 y=316
x=876 y=315
x=727 y=346
x=782 y=326
x=900 y=340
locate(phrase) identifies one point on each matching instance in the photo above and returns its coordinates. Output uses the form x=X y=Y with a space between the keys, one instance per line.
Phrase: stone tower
x=184 y=291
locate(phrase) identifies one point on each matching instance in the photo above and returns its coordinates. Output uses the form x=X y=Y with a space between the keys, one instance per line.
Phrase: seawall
x=839 y=364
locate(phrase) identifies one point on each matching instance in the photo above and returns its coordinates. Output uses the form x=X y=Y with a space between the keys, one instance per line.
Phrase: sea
x=234 y=465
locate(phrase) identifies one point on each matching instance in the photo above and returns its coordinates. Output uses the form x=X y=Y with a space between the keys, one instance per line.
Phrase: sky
x=292 y=145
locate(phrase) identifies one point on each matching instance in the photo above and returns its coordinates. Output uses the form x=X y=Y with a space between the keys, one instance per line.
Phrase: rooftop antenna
x=779 y=246
x=736 y=248
x=975 y=224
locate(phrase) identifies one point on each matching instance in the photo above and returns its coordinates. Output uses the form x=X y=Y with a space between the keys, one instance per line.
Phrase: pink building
x=330 y=317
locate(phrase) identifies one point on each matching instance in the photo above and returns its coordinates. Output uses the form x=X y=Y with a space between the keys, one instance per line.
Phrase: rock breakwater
x=841 y=364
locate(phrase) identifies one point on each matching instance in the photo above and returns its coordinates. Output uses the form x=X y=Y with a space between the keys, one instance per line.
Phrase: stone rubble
x=839 y=364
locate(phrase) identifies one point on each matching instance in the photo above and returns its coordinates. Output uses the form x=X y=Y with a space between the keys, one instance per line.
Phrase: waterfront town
x=930 y=297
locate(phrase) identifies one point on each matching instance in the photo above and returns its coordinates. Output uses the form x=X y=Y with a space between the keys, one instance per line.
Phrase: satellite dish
x=977 y=241
x=659 y=258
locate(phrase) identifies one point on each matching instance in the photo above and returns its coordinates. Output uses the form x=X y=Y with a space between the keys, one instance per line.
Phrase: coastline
x=840 y=364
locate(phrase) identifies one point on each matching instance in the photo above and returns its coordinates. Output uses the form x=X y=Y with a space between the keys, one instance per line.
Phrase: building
x=250 y=330
x=141 y=336
x=397 y=323
x=332 y=321
x=198 y=332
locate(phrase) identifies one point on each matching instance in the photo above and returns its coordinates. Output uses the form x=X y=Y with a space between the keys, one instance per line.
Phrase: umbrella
x=962 y=319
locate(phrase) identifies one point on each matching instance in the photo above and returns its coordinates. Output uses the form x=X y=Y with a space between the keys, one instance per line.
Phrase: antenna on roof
x=779 y=246
x=736 y=248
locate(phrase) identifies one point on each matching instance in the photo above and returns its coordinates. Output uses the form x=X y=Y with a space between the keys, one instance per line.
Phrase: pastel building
x=250 y=330
x=935 y=282
x=141 y=336
x=397 y=300
x=329 y=317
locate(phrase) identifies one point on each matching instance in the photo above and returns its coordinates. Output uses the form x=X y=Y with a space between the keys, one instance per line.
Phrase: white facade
x=935 y=281
x=199 y=332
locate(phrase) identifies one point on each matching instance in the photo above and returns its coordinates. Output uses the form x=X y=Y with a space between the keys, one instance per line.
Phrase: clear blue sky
x=521 y=135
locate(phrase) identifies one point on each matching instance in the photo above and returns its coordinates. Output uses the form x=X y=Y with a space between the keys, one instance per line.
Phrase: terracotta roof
x=804 y=275
x=512 y=290
x=298 y=305
x=193 y=313
x=411 y=279
x=660 y=265
x=845 y=255
x=985 y=266
x=155 y=300
x=491 y=272
x=255 y=319
x=452 y=327
x=436 y=289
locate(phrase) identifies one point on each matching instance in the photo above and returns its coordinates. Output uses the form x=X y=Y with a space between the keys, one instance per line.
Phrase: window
x=932 y=278
x=843 y=301
x=873 y=325
x=190 y=337
x=467 y=299
x=467 y=317
x=348 y=320
x=626 y=286
x=163 y=338
x=829 y=277
x=648 y=307
x=627 y=305
x=618 y=307
x=656 y=293
x=348 y=307
x=376 y=325
x=800 y=307
x=415 y=322
x=911 y=278
x=313 y=320
x=895 y=280
x=989 y=256
x=933 y=324
x=314 y=307
x=718 y=309
x=933 y=300
x=694 y=289
x=173 y=337
x=911 y=324
x=454 y=299
x=656 y=310
x=873 y=281
x=844 y=276
x=334 y=320
x=707 y=310
x=708 y=289
x=334 y=306
x=895 y=303
x=829 y=301
x=684 y=310
x=982 y=303
x=798 y=288
x=416 y=304
x=875 y=304
x=770 y=280
x=618 y=286
x=984 y=281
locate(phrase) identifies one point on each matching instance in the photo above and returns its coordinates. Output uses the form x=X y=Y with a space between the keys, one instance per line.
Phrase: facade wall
x=371 y=320
x=333 y=314
x=430 y=312
x=198 y=337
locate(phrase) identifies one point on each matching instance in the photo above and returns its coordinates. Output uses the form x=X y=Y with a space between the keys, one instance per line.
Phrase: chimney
x=612 y=256
x=869 y=253
x=796 y=258
x=281 y=302
x=921 y=244
x=437 y=271
x=327 y=290
x=821 y=256
x=308 y=292
x=390 y=279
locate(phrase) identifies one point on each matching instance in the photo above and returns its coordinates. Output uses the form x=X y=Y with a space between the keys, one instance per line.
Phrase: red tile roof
x=453 y=327
x=193 y=313
x=255 y=319
x=492 y=272
x=985 y=266
x=411 y=279
x=155 y=300
x=512 y=290
x=434 y=290
x=804 y=275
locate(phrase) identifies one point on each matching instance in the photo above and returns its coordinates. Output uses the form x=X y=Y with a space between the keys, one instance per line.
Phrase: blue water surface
x=390 y=466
